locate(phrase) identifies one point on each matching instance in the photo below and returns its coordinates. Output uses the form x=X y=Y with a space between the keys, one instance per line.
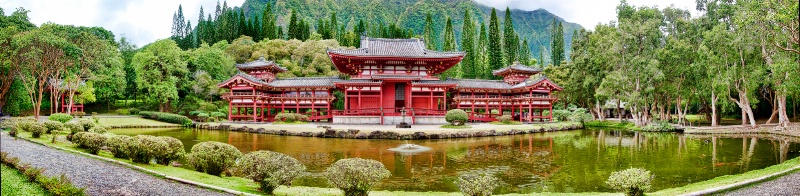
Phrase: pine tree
x=294 y=29
x=332 y=26
x=468 y=65
x=510 y=42
x=449 y=46
x=217 y=12
x=268 y=23
x=430 y=33
x=481 y=53
x=189 y=38
x=242 y=25
x=524 y=52
x=494 y=46
x=541 y=57
x=200 y=24
x=557 y=41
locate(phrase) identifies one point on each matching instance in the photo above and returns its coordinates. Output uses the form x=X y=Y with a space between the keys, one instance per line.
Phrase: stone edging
x=357 y=134
x=720 y=189
x=141 y=169
x=143 y=126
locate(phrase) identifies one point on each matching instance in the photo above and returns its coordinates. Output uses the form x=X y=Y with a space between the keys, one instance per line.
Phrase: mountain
x=534 y=25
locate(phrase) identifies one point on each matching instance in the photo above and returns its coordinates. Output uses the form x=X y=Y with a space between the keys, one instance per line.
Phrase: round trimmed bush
x=143 y=148
x=37 y=130
x=213 y=157
x=79 y=114
x=118 y=145
x=475 y=184
x=53 y=126
x=172 y=151
x=60 y=117
x=505 y=118
x=561 y=115
x=456 y=116
x=633 y=181
x=13 y=121
x=94 y=141
x=202 y=116
x=25 y=125
x=300 y=117
x=98 y=129
x=269 y=169
x=580 y=115
x=122 y=111
x=73 y=127
x=285 y=117
x=355 y=176
x=79 y=139
x=86 y=123
x=133 y=111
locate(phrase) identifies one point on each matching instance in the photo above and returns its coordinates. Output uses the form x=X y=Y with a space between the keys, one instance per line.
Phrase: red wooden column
x=550 y=116
x=430 y=105
x=360 y=105
x=230 y=109
x=297 y=101
x=346 y=103
x=255 y=115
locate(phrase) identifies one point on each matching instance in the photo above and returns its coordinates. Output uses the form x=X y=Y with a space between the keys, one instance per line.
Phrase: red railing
x=502 y=97
x=389 y=112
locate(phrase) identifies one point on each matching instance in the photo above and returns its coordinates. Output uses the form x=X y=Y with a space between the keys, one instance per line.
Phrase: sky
x=144 y=21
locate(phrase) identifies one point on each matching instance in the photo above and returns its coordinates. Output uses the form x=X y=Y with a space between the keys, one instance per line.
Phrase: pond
x=568 y=161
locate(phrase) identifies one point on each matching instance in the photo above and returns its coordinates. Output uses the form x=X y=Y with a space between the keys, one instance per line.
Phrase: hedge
x=166 y=117
x=60 y=117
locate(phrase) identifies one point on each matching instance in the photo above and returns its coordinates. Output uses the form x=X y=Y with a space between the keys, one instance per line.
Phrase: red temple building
x=388 y=78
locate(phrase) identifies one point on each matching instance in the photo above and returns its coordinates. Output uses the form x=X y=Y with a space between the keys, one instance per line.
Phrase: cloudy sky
x=144 y=21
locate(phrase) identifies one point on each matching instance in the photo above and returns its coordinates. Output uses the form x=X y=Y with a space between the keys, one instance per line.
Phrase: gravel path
x=785 y=185
x=98 y=177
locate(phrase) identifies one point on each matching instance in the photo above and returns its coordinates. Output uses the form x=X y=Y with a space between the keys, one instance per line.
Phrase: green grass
x=132 y=121
x=14 y=183
x=611 y=124
x=728 y=179
x=289 y=123
x=509 y=123
x=449 y=126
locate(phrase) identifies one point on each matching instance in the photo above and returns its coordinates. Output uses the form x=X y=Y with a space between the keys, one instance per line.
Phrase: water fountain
x=410 y=149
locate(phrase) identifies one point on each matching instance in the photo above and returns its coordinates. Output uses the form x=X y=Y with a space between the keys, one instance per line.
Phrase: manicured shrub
x=98 y=129
x=167 y=117
x=93 y=141
x=300 y=117
x=25 y=125
x=213 y=157
x=13 y=132
x=13 y=121
x=53 y=126
x=580 y=115
x=633 y=181
x=456 y=116
x=79 y=114
x=143 y=148
x=133 y=111
x=285 y=117
x=494 y=111
x=172 y=151
x=78 y=139
x=73 y=127
x=61 y=186
x=202 y=116
x=37 y=130
x=355 y=176
x=561 y=115
x=475 y=184
x=60 y=117
x=505 y=119
x=122 y=111
x=269 y=169
x=86 y=123
x=659 y=126
x=217 y=115
x=118 y=145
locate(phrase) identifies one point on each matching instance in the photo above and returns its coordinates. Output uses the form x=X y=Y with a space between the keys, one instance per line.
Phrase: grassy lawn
x=14 y=183
x=290 y=123
x=729 y=179
x=509 y=123
x=130 y=121
x=449 y=126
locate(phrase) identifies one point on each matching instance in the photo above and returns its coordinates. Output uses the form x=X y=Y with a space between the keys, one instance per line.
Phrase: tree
x=10 y=25
x=510 y=41
x=483 y=70
x=494 y=47
x=161 y=67
x=557 y=42
x=524 y=52
x=429 y=33
x=450 y=46
x=469 y=66
x=294 y=27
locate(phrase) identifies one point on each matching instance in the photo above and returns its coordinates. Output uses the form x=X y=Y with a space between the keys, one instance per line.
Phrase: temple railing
x=389 y=112
x=503 y=97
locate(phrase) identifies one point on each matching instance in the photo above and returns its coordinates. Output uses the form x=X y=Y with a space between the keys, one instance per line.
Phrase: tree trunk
x=714 y=98
x=783 y=118
x=744 y=116
x=619 y=110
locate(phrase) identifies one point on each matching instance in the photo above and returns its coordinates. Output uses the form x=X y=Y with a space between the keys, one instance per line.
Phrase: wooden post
x=346 y=103
x=255 y=115
x=230 y=109
x=297 y=101
x=380 y=100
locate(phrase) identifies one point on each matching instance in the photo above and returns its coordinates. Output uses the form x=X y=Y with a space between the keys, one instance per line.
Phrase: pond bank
x=388 y=132
x=793 y=130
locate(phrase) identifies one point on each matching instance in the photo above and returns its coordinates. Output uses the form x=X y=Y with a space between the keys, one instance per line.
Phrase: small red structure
x=58 y=86
x=388 y=77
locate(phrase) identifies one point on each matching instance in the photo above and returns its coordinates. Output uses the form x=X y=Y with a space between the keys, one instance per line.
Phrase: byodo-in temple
x=390 y=81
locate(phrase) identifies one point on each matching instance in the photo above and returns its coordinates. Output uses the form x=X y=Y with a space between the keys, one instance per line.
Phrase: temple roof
x=304 y=82
x=403 y=77
x=260 y=63
x=518 y=68
x=480 y=84
x=381 y=47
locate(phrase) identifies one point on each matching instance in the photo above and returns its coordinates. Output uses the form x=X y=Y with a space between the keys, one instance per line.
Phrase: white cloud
x=141 y=21
x=587 y=13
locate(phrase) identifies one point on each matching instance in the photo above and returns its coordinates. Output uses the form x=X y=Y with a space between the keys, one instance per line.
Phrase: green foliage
x=143 y=148
x=476 y=184
x=61 y=186
x=269 y=169
x=285 y=117
x=160 y=67
x=170 y=152
x=37 y=130
x=510 y=40
x=494 y=47
x=356 y=176
x=20 y=122
x=166 y=117
x=557 y=42
x=98 y=129
x=78 y=139
x=93 y=141
x=561 y=115
x=60 y=117
x=659 y=126
x=456 y=116
x=133 y=111
x=122 y=111
x=633 y=181
x=213 y=157
x=118 y=145
x=580 y=115
x=610 y=124
x=87 y=124
x=505 y=119
x=53 y=126
x=74 y=127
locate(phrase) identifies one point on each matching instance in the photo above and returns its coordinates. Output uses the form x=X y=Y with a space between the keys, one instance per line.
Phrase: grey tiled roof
x=519 y=67
x=261 y=62
x=395 y=48
x=245 y=76
x=395 y=77
x=435 y=82
x=305 y=82
x=533 y=81
x=484 y=84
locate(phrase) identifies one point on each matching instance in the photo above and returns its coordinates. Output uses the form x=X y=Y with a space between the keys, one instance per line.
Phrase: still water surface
x=569 y=161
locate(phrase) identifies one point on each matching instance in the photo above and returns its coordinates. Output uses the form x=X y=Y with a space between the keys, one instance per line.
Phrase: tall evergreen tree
x=524 y=52
x=510 y=41
x=200 y=24
x=268 y=23
x=217 y=12
x=449 y=46
x=481 y=53
x=494 y=48
x=429 y=33
x=468 y=65
x=541 y=57
x=557 y=43
x=294 y=28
